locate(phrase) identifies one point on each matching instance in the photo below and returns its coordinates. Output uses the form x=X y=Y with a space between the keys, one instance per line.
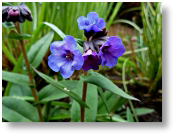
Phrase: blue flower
x=111 y=50
x=65 y=57
x=91 y=60
x=91 y=22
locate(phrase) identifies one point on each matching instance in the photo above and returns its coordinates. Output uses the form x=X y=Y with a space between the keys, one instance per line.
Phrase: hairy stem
x=34 y=92
x=84 y=98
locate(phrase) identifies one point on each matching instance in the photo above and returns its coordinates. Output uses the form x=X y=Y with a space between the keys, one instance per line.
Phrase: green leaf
x=56 y=29
x=129 y=23
x=14 y=35
x=118 y=118
x=57 y=114
x=119 y=103
x=103 y=99
x=15 y=78
x=110 y=101
x=8 y=54
x=61 y=104
x=143 y=111
x=103 y=82
x=50 y=92
x=35 y=48
x=61 y=87
x=20 y=90
x=129 y=115
x=61 y=34
x=91 y=100
x=70 y=84
x=16 y=110
x=115 y=11
x=34 y=25
x=39 y=50
x=8 y=25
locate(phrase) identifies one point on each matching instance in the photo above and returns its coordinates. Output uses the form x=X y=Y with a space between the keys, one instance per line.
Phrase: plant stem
x=34 y=92
x=84 y=98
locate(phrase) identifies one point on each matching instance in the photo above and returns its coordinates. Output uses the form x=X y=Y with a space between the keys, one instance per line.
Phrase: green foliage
x=15 y=35
x=61 y=87
x=101 y=81
x=91 y=101
x=15 y=78
x=16 y=110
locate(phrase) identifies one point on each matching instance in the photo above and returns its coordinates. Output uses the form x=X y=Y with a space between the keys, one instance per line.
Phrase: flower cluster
x=98 y=49
x=16 y=13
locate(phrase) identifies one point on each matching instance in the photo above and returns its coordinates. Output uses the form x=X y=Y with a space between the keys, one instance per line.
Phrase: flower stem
x=84 y=98
x=34 y=92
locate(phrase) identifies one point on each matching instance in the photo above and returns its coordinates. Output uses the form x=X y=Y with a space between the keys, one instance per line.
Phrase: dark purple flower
x=65 y=57
x=91 y=60
x=16 y=13
x=91 y=22
x=111 y=50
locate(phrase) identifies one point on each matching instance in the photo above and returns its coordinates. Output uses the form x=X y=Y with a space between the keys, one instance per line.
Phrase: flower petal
x=56 y=47
x=117 y=50
x=95 y=28
x=109 y=60
x=92 y=17
x=56 y=61
x=67 y=70
x=101 y=23
x=78 y=60
x=70 y=43
x=114 y=40
x=81 y=22
x=87 y=64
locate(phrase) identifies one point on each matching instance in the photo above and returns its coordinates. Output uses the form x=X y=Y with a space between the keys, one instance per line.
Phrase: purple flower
x=91 y=60
x=91 y=22
x=111 y=50
x=65 y=57
x=16 y=13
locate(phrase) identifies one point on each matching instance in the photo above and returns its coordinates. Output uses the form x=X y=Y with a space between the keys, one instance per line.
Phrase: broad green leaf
x=8 y=25
x=57 y=114
x=107 y=95
x=110 y=103
x=14 y=35
x=35 y=48
x=129 y=115
x=20 y=90
x=42 y=49
x=143 y=111
x=25 y=98
x=15 y=78
x=91 y=100
x=50 y=92
x=70 y=84
x=61 y=87
x=16 y=110
x=118 y=118
x=103 y=82
x=61 y=104
x=103 y=99
x=119 y=103
x=115 y=118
